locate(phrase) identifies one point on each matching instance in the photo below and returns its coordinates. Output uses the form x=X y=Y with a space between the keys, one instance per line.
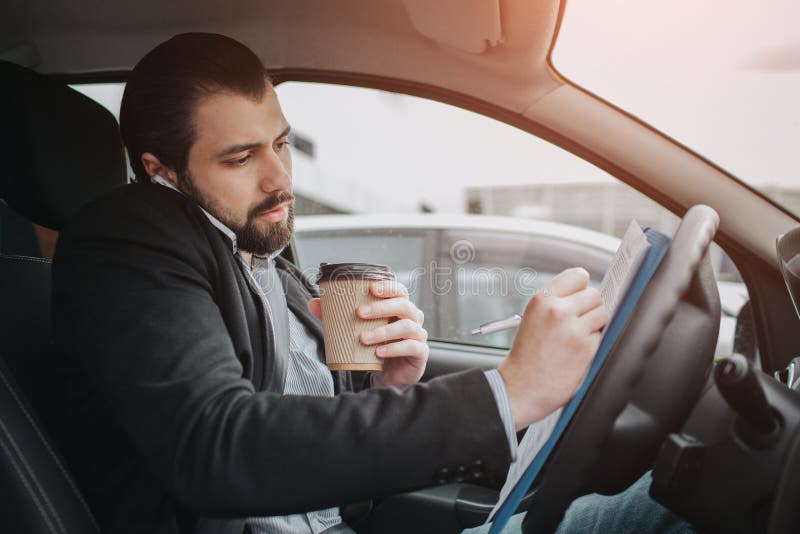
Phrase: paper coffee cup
x=343 y=288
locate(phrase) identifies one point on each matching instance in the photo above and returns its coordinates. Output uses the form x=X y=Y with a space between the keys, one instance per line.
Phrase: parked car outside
x=464 y=270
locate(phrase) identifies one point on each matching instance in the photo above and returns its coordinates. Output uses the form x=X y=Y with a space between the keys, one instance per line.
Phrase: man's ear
x=153 y=166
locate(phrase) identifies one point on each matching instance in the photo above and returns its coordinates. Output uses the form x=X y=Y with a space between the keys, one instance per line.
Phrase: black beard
x=249 y=237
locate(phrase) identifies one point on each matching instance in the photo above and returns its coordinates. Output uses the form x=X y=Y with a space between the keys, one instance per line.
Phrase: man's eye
x=283 y=143
x=239 y=162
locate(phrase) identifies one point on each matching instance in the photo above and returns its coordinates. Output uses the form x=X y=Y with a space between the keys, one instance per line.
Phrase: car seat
x=59 y=150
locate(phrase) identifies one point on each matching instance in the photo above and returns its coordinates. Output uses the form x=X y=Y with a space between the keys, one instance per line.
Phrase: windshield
x=720 y=76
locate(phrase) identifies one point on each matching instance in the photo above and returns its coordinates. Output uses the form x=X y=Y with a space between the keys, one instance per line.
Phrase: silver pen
x=497 y=326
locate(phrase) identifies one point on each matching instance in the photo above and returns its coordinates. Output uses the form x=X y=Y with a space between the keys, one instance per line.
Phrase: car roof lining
x=379 y=38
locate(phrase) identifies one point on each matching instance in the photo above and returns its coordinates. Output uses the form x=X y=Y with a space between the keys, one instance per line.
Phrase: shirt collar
x=219 y=225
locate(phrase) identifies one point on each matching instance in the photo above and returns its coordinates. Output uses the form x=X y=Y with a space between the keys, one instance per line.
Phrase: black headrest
x=58 y=148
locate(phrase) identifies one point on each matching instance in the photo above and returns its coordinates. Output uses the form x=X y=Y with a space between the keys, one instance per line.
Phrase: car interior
x=721 y=438
x=39 y=492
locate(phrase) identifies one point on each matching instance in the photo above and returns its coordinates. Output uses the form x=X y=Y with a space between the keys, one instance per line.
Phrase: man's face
x=240 y=169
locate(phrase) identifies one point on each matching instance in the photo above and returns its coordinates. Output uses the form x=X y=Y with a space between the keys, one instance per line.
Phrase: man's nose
x=275 y=175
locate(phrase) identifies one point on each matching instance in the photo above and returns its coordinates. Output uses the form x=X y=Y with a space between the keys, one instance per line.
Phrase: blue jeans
x=632 y=511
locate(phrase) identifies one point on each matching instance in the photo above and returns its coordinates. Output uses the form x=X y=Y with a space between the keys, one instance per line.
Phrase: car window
x=461 y=206
x=490 y=190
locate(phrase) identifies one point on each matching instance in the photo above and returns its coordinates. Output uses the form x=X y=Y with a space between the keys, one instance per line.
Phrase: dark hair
x=165 y=87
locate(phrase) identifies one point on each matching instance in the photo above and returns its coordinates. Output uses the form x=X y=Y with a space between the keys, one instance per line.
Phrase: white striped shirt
x=306 y=374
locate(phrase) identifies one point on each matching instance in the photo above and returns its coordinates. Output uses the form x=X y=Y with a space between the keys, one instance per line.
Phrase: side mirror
x=788 y=247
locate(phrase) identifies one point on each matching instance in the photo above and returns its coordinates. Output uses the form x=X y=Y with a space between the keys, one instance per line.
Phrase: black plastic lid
x=354 y=271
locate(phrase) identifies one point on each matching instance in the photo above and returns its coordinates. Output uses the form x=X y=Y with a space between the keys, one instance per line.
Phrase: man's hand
x=406 y=352
x=558 y=336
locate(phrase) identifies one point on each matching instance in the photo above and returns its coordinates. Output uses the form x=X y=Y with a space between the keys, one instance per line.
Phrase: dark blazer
x=173 y=391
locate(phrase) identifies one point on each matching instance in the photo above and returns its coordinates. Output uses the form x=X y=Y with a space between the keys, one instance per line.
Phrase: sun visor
x=468 y=25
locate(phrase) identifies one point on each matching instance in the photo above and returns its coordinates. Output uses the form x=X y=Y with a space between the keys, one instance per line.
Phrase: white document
x=624 y=266
x=618 y=277
x=528 y=448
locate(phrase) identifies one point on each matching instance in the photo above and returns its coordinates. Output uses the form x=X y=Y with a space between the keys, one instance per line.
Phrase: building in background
x=604 y=207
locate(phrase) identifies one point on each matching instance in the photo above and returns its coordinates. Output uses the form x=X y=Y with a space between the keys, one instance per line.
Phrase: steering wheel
x=647 y=385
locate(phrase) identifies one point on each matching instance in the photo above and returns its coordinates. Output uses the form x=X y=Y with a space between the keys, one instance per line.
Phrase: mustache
x=271 y=202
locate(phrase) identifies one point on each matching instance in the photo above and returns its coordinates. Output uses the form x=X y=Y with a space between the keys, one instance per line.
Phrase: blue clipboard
x=658 y=247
